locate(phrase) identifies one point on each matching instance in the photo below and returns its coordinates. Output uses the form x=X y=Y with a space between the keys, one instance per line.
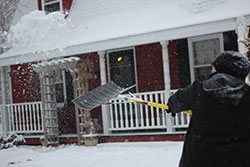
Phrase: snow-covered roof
x=103 y=24
x=104 y=19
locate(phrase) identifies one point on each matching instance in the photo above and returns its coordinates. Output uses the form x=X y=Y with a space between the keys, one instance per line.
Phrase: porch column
x=4 y=117
x=165 y=59
x=105 y=109
x=241 y=33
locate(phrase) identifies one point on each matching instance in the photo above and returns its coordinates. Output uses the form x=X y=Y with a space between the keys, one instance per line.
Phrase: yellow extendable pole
x=163 y=106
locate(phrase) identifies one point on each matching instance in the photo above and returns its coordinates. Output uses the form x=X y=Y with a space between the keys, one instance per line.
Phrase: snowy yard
x=138 y=154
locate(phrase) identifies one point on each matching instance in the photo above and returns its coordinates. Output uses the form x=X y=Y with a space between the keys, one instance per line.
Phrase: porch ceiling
x=114 y=27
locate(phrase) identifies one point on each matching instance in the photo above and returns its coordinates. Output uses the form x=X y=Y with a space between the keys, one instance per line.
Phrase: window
x=122 y=68
x=60 y=85
x=52 y=5
x=202 y=51
x=63 y=86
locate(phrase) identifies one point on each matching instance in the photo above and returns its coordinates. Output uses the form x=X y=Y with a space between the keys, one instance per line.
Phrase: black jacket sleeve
x=182 y=99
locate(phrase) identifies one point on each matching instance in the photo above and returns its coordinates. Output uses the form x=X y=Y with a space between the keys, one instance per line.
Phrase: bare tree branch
x=7 y=11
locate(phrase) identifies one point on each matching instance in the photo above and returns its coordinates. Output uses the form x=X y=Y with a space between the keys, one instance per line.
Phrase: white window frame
x=117 y=50
x=49 y=3
x=191 y=53
x=61 y=104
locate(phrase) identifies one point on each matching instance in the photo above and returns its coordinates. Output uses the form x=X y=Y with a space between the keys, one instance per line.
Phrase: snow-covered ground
x=137 y=154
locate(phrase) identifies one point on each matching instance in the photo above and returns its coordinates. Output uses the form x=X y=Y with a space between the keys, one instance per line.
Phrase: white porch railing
x=130 y=116
x=25 y=117
x=181 y=120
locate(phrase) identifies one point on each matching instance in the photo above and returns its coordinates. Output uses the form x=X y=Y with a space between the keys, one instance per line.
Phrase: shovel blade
x=98 y=96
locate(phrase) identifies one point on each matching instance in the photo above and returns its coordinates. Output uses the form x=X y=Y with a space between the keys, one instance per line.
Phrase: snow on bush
x=40 y=29
x=12 y=139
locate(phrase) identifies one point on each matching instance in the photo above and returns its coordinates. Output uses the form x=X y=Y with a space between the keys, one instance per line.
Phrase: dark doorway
x=122 y=68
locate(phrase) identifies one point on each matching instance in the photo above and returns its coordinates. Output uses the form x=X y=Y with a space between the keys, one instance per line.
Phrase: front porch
x=126 y=121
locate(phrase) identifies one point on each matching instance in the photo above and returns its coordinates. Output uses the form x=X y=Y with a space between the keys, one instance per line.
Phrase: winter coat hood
x=225 y=88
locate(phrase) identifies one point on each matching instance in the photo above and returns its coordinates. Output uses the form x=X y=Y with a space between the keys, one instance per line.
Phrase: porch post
x=241 y=33
x=105 y=110
x=166 y=71
x=5 y=118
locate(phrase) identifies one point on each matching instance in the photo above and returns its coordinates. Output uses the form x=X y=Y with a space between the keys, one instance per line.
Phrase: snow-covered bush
x=12 y=139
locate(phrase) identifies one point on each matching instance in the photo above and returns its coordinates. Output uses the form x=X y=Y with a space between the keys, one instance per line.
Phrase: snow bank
x=143 y=154
x=41 y=31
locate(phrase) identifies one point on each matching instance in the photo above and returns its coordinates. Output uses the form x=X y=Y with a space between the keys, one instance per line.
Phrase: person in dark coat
x=219 y=131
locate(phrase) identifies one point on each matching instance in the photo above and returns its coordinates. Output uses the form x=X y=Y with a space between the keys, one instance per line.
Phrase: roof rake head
x=98 y=96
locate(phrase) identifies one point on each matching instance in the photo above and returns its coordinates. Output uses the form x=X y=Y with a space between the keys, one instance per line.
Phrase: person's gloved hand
x=169 y=111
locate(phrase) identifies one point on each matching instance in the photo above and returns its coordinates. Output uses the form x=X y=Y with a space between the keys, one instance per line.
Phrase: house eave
x=133 y=40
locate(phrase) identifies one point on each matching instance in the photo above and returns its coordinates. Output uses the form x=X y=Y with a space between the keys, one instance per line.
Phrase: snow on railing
x=25 y=117
x=130 y=116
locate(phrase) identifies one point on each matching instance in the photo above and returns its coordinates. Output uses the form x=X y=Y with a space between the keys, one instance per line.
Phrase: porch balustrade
x=25 y=118
x=130 y=116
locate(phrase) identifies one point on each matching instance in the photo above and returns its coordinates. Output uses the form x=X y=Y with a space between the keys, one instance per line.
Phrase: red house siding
x=67 y=5
x=109 y=139
x=39 y=4
x=149 y=67
x=23 y=83
x=93 y=71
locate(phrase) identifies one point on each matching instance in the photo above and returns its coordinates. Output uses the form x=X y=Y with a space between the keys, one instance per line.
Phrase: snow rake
x=103 y=94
